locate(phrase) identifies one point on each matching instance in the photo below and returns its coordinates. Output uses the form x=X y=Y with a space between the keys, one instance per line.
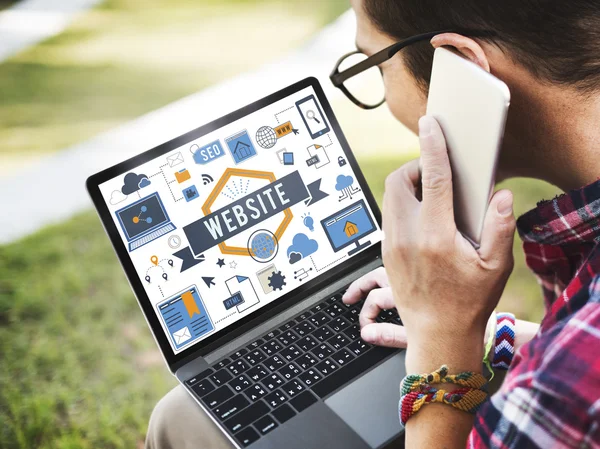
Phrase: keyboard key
x=287 y=338
x=342 y=357
x=352 y=315
x=273 y=381
x=310 y=377
x=326 y=367
x=257 y=373
x=274 y=363
x=283 y=413
x=271 y=348
x=353 y=332
x=322 y=351
x=276 y=398
x=238 y=367
x=247 y=436
x=255 y=392
x=219 y=396
x=304 y=328
x=319 y=319
x=338 y=342
x=332 y=299
x=271 y=335
x=200 y=376
x=306 y=361
x=265 y=424
x=359 y=347
x=303 y=317
x=255 y=344
x=303 y=401
x=222 y=364
x=323 y=333
x=240 y=383
x=318 y=307
x=231 y=407
x=246 y=416
x=203 y=387
x=307 y=343
x=290 y=353
x=238 y=354
x=254 y=357
x=334 y=310
x=221 y=377
x=293 y=388
x=339 y=324
x=287 y=326
x=289 y=371
x=352 y=369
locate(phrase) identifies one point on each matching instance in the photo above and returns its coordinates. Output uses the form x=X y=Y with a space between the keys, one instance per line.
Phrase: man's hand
x=376 y=288
x=443 y=288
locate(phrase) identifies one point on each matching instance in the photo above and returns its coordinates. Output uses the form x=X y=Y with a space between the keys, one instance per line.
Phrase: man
x=548 y=52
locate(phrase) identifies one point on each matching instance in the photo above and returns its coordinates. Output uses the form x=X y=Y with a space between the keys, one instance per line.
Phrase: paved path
x=31 y=21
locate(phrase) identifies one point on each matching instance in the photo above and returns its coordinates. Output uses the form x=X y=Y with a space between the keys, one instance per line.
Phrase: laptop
x=239 y=239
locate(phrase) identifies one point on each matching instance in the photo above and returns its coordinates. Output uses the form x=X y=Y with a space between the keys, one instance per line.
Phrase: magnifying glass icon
x=311 y=116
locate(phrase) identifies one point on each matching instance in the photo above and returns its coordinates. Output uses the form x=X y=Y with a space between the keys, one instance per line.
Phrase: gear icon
x=276 y=280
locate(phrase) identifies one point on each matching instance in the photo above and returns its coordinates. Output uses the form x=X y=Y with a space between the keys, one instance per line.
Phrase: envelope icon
x=175 y=159
x=182 y=335
x=182 y=176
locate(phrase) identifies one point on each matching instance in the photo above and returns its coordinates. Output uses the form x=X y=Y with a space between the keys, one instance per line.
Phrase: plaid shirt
x=551 y=395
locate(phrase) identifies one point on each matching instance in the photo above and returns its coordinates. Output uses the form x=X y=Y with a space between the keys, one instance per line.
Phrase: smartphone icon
x=313 y=117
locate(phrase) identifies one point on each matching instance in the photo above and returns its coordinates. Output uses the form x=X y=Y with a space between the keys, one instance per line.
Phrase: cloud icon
x=343 y=182
x=301 y=246
x=133 y=183
x=117 y=197
x=295 y=257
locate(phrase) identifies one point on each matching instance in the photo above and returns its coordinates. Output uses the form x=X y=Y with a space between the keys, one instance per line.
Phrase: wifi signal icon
x=206 y=179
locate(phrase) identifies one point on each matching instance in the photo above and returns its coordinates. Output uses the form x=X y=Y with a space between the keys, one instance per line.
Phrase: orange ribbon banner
x=190 y=304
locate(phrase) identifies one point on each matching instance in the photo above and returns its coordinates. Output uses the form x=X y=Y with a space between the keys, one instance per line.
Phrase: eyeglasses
x=359 y=76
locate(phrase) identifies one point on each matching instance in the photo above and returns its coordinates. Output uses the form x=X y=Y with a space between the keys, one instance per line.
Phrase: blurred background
x=85 y=84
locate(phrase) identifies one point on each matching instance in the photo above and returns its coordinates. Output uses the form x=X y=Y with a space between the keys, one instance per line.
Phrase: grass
x=121 y=60
x=79 y=366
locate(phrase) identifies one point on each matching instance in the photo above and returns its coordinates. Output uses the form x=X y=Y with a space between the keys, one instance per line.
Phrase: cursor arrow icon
x=208 y=281
x=296 y=131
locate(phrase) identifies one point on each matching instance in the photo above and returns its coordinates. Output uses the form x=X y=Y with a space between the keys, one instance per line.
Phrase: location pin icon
x=164 y=275
x=170 y=261
x=154 y=260
x=147 y=279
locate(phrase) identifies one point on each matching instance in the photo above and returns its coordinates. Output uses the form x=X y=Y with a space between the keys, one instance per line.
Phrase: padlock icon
x=341 y=161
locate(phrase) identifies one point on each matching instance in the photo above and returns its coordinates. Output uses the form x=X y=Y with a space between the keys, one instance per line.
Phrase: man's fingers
x=498 y=230
x=360 y=288
x=436 y=176
x=378 y=300
x=384 y=334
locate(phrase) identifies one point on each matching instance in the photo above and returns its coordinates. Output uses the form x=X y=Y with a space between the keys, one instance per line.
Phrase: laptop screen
x=230 y=222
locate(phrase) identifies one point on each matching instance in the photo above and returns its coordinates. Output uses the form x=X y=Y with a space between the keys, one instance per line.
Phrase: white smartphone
x=471 y=106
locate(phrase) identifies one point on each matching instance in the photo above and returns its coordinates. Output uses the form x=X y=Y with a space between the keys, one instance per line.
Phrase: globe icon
x=266 y=137
x=263 y=246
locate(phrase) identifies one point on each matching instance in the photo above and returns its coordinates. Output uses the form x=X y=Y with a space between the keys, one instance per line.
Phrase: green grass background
x=78 y=366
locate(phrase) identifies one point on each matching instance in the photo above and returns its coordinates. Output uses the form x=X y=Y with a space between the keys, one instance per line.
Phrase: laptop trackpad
x=370 y=404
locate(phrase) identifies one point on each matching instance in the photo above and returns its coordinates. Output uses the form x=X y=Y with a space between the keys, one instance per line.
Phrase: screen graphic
x=234 y=220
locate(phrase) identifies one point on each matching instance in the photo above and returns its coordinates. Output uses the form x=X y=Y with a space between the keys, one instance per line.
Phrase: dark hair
x=556 y=40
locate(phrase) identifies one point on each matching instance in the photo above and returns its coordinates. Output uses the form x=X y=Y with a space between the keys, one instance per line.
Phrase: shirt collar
x=572 y=217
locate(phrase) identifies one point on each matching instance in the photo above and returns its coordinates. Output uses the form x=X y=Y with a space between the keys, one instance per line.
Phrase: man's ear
x=466 y=46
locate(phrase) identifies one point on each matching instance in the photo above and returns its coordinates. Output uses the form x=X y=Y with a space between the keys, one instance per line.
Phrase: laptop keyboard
x=152 y=236
x=258 y=388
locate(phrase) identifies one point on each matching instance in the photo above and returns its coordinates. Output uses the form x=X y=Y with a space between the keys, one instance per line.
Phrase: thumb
x=384 y=334
x=498 y=230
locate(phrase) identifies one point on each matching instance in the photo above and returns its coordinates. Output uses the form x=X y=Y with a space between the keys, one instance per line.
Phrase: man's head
x=541 y=46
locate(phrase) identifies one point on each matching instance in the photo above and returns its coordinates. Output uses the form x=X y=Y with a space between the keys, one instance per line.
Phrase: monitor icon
x=347 y=226
x=144 y=221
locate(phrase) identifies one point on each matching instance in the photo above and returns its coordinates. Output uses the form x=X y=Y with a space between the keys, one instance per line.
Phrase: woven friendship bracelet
x=414 y=382
x=466 y=399
x=504 y=349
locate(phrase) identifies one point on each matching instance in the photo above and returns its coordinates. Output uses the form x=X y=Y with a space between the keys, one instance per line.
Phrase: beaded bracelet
x=466 y=399
x=414 y=382
x=504 y=349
